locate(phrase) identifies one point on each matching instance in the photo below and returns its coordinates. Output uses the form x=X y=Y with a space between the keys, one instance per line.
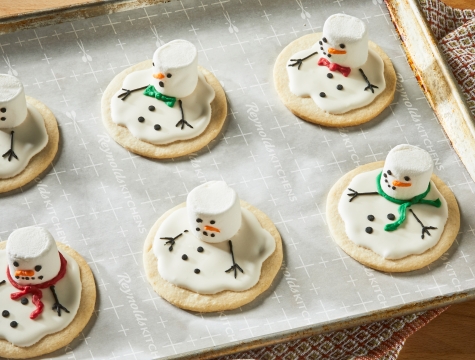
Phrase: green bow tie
x=152 y=92
x=404 y=204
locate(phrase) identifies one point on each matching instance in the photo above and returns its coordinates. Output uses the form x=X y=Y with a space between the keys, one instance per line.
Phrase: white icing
x=349 y=31
x=407 y=161
x=215 y=202
x=196 y=107
x=28 y=331
x=30 y=138
x=311 y=79
x=175 y=68
x=405 y=240
x=12 y=101
x=31 y=247
x=251 y=245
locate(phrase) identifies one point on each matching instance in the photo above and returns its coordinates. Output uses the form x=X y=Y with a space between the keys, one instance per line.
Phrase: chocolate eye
x=324 y=40
x=15 y=264
x=153 y=64
x=342 y=46
x=212 y=222
x=38 y=268
x=389 y=172
x=199 y=220
x=407 y=178
x=169 y=75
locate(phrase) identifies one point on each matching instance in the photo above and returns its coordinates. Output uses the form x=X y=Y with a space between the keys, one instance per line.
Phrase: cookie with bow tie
x=335 y=78
x=165 y=107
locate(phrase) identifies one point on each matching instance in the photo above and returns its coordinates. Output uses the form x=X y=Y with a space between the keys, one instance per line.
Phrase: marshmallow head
x=175 y=68
x=214 y=212
x=344 y=40
x=13 y=108
x=407 y=171
x=33 y=257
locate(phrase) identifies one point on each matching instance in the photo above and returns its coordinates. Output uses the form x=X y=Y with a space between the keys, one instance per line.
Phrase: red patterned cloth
x=383 y=340
x=455 y=30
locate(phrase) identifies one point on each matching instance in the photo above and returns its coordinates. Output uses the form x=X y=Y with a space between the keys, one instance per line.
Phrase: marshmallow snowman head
x=214 y=211
x=33 y=257
x=175 y=68
x=407 y=172
x=345 y=40
x=13 y=108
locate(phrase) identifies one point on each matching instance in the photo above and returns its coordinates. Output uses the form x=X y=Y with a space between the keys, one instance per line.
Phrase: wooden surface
x=451 y=336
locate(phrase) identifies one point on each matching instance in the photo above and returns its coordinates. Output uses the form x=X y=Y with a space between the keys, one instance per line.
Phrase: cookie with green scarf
x=165 y=107
x=394 y=216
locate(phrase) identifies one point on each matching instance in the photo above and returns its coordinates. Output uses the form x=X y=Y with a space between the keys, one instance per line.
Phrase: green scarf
x=152 y=92
x=404 y=204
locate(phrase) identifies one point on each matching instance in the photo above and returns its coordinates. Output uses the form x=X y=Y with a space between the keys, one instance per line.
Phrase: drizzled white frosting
x=30 y=138
x=252 y=245
x=405 y=240
x=196 y=107
x=311 y=80
x=28 y=331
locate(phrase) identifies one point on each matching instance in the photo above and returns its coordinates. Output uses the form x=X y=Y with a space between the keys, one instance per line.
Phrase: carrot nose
x=335 y=51
x=159 y=76
x=211 y=228
x=401 y=184
x=24 y=273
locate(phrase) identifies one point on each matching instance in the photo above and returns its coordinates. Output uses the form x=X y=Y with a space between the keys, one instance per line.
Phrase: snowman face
x=175 y=69
x=406 y=172
x=344 y=41
x=13 y=108
x=214 y=212
x=33 y=257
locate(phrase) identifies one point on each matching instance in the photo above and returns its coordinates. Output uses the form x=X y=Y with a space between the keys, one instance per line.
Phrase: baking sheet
x=102 y=200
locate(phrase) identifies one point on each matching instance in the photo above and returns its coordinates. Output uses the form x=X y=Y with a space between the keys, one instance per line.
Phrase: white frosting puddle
x=196 y=107
x=28 y=331
x=405 y=240
x=251 y=245
x=312 y=79
x=29 y=139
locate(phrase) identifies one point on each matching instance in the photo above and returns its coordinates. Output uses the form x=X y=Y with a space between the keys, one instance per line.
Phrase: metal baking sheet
x=102 y=200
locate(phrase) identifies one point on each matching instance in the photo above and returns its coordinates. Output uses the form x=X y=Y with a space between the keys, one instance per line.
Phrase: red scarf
x=335 y=67
x=35 y=290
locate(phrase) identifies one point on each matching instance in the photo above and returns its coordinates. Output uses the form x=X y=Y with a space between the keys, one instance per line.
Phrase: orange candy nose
x=24 y=273
x=159 y=76
x=335 y=51
x=211 y=228
x=400 y=184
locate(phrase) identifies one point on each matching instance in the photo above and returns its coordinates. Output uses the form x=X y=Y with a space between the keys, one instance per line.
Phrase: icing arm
x=235 y=266
x=182 y=122
x=354 y=194
x=300 y=61
x=2 y=282
x=171 y=241
x=425 y=229
x=57 y=306
x=127 y=92
x=370 y=86
x=10 y=153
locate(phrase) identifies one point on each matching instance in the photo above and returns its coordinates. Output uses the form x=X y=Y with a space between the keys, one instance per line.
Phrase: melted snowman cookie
x=44 y=291
x=396 y=217
x=213 y=253
x=335 y=78
x=165 y=108
x=28 y=135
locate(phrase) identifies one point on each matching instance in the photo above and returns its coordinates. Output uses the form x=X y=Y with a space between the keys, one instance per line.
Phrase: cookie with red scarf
x=47 y=294
x=337 y=77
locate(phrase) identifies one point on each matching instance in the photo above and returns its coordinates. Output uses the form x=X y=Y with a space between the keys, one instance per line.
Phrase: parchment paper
x=102 y=200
